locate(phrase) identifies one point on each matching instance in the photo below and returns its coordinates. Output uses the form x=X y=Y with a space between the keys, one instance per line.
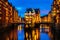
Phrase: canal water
x=43 y=36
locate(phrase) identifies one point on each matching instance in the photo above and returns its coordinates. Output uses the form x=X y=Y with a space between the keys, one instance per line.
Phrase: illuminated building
x=37 y=16
x=44 y=18
x=8 y=13
x=15 y=16
x=46 y=24
x=32 y=17
x=8 y=17
x=55 y=11
x=49 y=17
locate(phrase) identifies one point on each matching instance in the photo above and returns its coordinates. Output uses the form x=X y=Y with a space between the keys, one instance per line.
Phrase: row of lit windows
x=38 y=18
x=29 y=13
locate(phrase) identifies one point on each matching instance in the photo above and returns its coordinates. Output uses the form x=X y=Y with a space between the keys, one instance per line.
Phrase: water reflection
x=43 y=36
x=20 y=33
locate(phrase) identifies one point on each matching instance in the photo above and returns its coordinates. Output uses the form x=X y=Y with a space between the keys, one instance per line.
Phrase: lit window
x=11 y=19
x=26 y=19
x=54 y=8
x=26 y=26
x=30 y=16
x=0 y=13
x=6 y=8
x=0 y=8
x=57 y=11
x=6 y=18
x=6 y=3
x=6 y=13
x=26 y=16
x=29 y=21
x=54 y=14
x=0 y=18
x=0 y=2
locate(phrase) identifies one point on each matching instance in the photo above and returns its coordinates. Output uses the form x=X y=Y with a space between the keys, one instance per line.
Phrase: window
x=6 y=13
x=6 y=18
x=0 y=8
x=11 y=19
x=6 y=3
x=0 y=13
x=0 y=2
x=0 y=5
x=26 y=26
x=0 y=18
x=57 y=11
x=26 y=16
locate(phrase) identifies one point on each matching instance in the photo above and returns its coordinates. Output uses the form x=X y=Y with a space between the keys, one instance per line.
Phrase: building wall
x=8 y=15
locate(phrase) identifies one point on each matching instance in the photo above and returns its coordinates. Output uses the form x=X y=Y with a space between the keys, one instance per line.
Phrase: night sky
x=21 y=5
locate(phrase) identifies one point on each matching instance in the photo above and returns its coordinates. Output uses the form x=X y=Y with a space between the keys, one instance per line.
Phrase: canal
x=43 y=36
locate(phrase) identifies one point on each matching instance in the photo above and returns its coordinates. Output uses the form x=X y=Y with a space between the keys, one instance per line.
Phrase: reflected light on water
x=43 y=36
x=20 y=33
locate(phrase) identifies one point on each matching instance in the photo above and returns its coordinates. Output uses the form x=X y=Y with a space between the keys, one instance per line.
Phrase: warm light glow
x=57 y=11
x=33 y=33
x=7 y=18
x=0 y=2
x=26 y=26
x=37 y=33
x=20 y=27
x=0 y=18
x=26 y=35
x=7 y=38
x=11 y=20
x=54 y=8
x=26 y=17
x=0 y=13
x=27 y=39
x=45 y=19
x=6 y=3
x=49 y=18
x=35 y=37
x=0 y=8
x=7 y=12
x=57 y=18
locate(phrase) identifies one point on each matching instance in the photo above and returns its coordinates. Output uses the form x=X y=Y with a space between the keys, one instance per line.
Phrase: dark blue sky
x=21 y=5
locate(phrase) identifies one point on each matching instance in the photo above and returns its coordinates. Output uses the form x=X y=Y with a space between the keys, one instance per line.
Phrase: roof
x=37 y=11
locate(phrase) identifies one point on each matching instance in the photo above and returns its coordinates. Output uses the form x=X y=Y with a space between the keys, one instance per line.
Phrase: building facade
x=8 y=21
x=31 y=30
